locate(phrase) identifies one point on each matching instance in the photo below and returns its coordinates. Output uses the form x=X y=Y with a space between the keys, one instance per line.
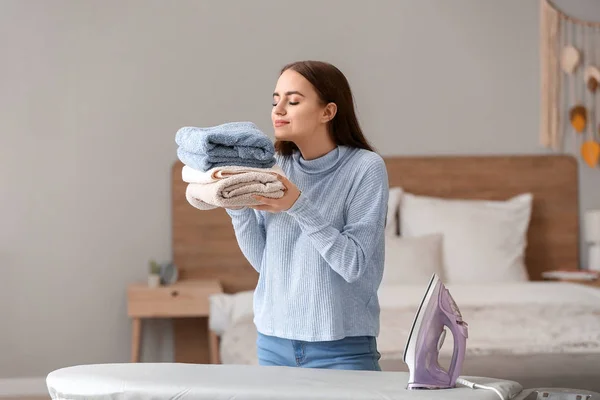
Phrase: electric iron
x=436 y=311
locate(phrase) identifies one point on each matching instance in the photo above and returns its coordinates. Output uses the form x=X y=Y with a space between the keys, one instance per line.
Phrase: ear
x=329 y=112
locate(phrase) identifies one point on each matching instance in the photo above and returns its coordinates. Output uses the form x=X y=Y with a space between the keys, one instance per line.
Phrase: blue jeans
x=356 y=353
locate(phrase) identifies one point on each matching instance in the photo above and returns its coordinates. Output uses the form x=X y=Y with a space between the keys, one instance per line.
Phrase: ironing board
x=179 y=381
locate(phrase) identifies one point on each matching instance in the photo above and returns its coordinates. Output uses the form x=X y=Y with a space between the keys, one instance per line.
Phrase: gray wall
x=92 y=92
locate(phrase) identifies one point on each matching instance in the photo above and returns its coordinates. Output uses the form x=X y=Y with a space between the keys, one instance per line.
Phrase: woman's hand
x=290 y=195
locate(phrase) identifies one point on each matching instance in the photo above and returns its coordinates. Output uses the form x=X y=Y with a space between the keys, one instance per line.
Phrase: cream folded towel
x=231 y=186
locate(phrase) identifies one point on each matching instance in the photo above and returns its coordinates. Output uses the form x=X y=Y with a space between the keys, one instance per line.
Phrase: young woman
x=319 y=249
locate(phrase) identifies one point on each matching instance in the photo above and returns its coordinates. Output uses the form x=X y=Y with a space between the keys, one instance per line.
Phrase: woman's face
x=297 y=110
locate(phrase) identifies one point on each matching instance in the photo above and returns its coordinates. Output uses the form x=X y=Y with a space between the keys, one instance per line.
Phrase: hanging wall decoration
x=570 y=80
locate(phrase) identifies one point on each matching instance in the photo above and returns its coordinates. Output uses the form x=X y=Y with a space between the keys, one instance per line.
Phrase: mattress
x=541 y=333
x=171 y=381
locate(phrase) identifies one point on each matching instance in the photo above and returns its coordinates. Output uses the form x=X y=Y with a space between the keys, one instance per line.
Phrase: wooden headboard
x=204 y=244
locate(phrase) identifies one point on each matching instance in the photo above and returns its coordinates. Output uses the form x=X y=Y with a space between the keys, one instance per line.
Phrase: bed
x=488 y=225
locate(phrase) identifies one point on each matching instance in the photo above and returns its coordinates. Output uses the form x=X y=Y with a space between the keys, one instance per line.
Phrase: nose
x=279 y=109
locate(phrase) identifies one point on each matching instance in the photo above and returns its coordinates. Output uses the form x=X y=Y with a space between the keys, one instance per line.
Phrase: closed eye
x=291 y=103
x=288 y=93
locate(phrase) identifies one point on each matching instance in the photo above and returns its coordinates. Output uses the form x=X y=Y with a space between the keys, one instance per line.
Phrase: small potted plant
x=154 y=274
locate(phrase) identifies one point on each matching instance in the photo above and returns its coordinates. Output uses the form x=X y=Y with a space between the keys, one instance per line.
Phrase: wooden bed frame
x=204 y=244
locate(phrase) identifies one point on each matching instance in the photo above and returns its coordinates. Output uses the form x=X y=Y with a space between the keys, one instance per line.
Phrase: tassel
x=550 y=135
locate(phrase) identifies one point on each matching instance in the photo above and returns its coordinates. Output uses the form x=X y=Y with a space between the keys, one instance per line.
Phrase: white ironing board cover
x=162 y=381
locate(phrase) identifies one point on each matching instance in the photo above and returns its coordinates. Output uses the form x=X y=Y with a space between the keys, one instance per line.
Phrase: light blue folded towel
x=241 y=143
x=203 y=163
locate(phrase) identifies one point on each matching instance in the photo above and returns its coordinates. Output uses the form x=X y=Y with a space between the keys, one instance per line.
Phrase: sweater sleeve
x=249 y=228
x=348 y=251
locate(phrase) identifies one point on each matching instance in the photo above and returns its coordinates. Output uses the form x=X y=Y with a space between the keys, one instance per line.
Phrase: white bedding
x=512 y=318
x=171 y=381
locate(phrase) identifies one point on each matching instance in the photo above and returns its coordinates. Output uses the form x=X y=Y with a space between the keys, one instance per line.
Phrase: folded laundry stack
x=225 y=165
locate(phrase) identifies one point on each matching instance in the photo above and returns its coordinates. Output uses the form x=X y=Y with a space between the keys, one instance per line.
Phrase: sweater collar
x=321 y=164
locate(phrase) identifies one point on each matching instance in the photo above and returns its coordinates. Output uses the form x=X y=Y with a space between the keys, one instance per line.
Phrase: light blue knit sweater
x=320 y=263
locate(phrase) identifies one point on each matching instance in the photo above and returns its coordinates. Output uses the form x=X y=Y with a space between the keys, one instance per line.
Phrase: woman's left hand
x=290 y=195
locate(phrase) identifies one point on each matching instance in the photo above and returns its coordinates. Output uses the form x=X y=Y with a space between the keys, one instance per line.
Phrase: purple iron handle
x=460 y=334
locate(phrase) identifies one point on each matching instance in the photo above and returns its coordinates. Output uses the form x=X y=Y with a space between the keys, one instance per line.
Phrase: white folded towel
x=231 y=186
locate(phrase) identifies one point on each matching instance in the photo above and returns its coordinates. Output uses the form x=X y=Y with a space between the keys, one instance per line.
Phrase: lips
x=280 y=123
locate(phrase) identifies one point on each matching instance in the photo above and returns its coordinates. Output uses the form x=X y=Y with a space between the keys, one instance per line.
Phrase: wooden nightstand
x=185 y=299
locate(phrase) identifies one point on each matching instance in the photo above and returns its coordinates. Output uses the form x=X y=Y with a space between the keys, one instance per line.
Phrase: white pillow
x=484 y=241
x=412 y=260
x=226 y=309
